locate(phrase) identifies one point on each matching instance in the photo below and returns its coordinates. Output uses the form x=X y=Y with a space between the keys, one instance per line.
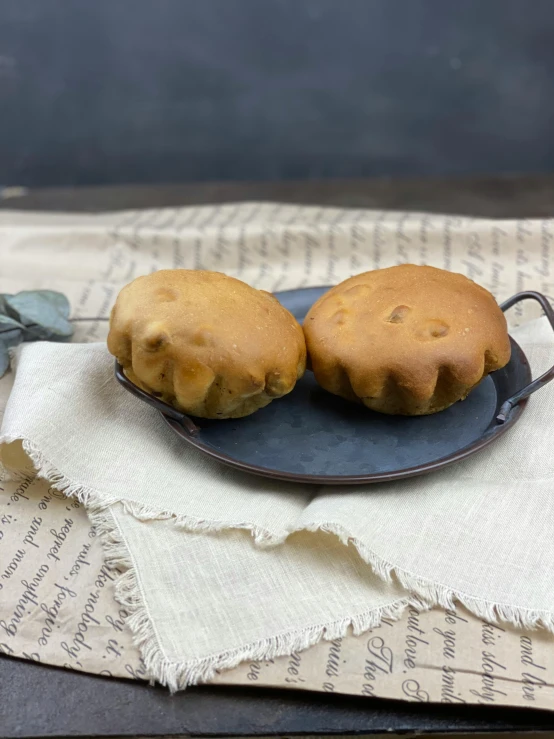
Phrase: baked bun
x=208 y=344
x=406 y=340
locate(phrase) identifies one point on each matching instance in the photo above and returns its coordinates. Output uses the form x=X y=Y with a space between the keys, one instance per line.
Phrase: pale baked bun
x=406 y=340
x=206 y=343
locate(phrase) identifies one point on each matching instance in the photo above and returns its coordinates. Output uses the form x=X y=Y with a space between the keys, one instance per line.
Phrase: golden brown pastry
x=206 y=343
x=406 y=340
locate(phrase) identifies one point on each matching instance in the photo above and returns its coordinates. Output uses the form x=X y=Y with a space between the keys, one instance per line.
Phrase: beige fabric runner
x=464 y=533
x=441 y=656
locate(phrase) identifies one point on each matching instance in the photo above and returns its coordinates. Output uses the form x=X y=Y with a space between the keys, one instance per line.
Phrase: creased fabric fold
x=217 y=567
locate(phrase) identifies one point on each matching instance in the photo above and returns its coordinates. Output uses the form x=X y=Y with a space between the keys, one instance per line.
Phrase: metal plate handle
x=544 y=378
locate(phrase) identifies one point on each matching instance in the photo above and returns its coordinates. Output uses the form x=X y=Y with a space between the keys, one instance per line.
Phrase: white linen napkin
x=220 y=567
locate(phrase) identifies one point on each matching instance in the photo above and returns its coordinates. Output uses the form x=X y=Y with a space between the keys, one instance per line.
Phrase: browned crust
x=206 y=343
x=407 y=340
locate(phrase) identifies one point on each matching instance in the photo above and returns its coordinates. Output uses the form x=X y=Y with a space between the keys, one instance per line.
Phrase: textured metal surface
x=312 y=436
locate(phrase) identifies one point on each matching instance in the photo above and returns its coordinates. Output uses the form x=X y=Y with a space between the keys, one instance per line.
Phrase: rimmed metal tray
x=311 y=436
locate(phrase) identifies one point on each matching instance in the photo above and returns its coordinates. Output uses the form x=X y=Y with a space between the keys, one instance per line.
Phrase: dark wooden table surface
x=41 y=701
x=492 y=197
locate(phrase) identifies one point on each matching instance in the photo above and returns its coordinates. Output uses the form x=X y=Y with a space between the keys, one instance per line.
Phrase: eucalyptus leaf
x=58 y=300
x=32 y=315
x=12 y=337
x=39 y=333
x=11 y=331
x=4 y=359
x=41 y=315
x=7 y=322
x=3 y=304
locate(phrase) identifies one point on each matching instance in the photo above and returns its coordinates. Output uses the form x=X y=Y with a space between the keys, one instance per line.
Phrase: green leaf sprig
x=32 y=315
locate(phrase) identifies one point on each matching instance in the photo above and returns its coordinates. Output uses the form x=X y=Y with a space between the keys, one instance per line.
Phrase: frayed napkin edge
x=178 y=675
x=421 y=594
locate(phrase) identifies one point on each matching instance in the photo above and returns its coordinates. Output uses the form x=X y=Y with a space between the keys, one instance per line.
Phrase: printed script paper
x=273 y=247
x=57 y=606
x=56 y=595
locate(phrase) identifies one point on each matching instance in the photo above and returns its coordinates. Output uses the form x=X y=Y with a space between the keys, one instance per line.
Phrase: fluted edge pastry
x=206 y=343
x=408 y=340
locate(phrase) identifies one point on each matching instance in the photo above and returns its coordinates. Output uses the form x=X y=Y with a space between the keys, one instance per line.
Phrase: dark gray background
x=108 y=91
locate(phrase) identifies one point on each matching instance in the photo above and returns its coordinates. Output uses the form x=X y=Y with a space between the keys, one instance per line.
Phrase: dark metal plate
x=312 y=436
